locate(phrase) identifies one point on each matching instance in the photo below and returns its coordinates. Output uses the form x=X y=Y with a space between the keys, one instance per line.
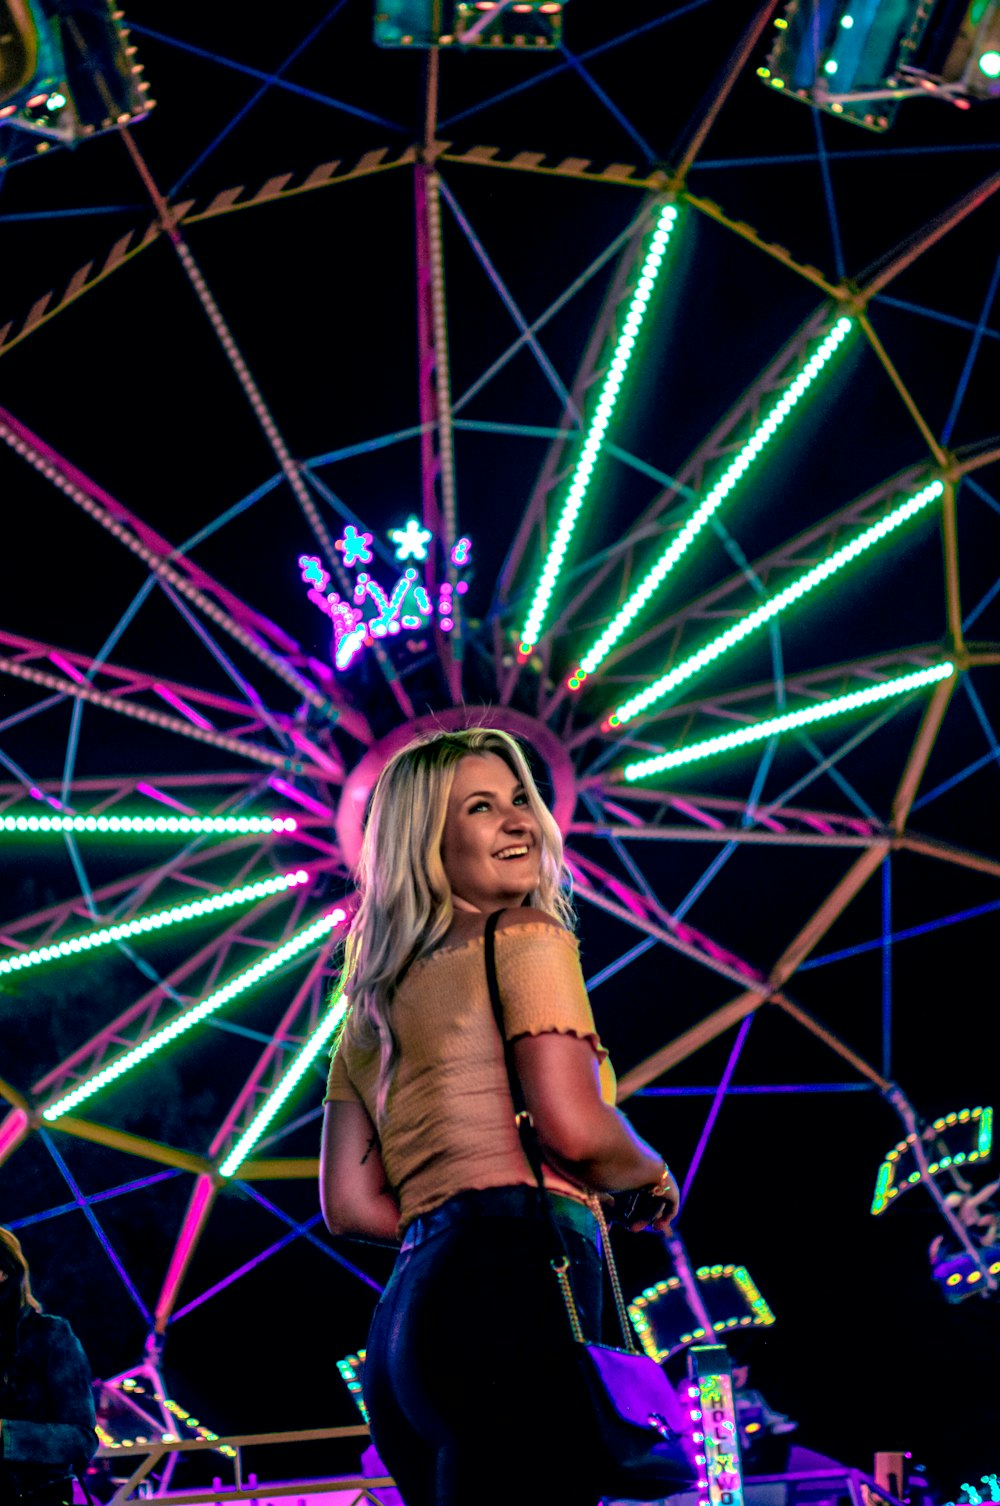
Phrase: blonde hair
x=11 y=1243
x=405 y=898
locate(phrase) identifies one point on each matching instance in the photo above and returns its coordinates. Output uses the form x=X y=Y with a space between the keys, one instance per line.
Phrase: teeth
x=512 y=852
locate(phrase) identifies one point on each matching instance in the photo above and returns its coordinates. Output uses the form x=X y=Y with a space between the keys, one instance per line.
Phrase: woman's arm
x=353 y=1191
x=581 y=1135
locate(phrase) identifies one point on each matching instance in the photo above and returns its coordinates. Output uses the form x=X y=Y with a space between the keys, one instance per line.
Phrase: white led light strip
x=191 y=1017
x=591 y=448
x=301 y=1063
x=142 y=925
x=804 y=717
x=775 y=604
x=188 y=825
x=765 y=430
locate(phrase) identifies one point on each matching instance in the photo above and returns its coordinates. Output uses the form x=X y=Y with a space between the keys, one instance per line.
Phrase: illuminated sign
x=378 y=611
x=713 y=1413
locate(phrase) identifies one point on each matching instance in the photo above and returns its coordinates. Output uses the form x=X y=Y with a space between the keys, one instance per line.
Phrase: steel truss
x=306 y=747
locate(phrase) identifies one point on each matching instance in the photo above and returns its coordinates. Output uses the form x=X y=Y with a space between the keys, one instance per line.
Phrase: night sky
x=129 y=384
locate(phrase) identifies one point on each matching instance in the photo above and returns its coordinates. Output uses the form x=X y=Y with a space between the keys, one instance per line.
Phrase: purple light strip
x=286 y=1218
x=282 y=787
x=248 y=1266
x=68 y=669
x=85 y=1209
x=94 y=1197
x=152 y=793
x=713 y=1112
x=754 y=1088
x=172 y=699
x=928 y=925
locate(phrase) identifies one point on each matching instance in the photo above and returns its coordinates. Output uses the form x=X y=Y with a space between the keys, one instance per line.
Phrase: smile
x=520 y=851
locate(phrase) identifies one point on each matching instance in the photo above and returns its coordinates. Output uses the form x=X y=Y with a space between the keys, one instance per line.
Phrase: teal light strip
x=143 y=925
x=710 y=504
x=155 y=825
x=179 y=1026
x=290 y=1080
x=591 y=448
x=770 y=608
x=803 y=717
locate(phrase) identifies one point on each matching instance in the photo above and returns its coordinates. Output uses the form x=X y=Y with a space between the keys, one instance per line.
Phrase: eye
x=479 y=805
x=522 y=798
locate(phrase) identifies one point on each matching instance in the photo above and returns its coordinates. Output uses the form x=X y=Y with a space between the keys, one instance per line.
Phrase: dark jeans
x=469 y=1375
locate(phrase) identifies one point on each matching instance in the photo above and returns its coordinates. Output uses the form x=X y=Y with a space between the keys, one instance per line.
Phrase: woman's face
x=491 y=848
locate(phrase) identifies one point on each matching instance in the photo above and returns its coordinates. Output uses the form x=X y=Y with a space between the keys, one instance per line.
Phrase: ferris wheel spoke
x=192 y=725
x=139 y=1021
x=608 y=893
x=300 y=1014
x=438 y=482
x=625 y=558
x=252 y=631
x=796 y=558
x=592 y=366
x=119 y=900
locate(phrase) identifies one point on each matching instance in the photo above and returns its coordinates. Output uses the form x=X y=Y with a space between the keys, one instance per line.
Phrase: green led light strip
x=585 y=465
x=218 y=825
x=804 y=717
x=191 y=1017
x=775 y=604
x=141 y=926
x=300 y=1065
x=737 y=467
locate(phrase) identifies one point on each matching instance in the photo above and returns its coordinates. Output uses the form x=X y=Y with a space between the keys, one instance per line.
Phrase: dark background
x=319 y=290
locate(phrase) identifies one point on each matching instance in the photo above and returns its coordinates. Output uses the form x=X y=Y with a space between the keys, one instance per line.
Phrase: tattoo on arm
x=371 y=1146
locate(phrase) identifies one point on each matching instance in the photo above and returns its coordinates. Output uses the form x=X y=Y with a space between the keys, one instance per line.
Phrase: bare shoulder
x=526 y=915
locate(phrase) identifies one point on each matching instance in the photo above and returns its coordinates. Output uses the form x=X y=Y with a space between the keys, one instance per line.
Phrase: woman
x=469 y=1377
x=46 y=1405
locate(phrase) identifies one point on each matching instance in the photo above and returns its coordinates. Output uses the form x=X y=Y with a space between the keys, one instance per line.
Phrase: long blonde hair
x=405 y=905
x=12 y=1245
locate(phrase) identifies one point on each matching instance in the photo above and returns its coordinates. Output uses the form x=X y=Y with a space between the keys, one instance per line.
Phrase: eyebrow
x=478 y=794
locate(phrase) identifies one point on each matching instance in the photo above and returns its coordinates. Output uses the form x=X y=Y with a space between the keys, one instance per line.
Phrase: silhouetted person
x=46 y=1404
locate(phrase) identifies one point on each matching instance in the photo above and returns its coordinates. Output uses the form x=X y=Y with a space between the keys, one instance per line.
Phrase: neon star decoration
x=144 y=925
x=710 y=504
x=773 y=605
x=411 y=542
x=805 y=716
x=600 y=419
x=308 y=937
x=290 y=1080
x=376 y=613
x=355 y=546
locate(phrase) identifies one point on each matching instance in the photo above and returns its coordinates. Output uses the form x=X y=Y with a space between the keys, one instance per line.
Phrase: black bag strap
x=533 y=1154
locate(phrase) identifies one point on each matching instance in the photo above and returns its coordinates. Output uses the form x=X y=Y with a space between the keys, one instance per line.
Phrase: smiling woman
x=420 y=1140
x=491 y=847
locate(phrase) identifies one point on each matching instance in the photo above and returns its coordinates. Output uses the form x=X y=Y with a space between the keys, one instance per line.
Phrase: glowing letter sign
x=713 y=1413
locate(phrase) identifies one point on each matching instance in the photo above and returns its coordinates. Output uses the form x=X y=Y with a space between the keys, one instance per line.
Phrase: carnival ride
x=636 y=618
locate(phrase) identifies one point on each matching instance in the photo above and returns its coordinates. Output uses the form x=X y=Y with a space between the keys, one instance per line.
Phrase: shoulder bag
x=637 y=1423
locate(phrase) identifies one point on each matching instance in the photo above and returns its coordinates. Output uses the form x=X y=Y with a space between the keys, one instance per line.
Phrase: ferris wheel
x=705 y=683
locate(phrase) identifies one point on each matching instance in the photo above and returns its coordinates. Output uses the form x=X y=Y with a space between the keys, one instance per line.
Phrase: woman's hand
x=651 y=1207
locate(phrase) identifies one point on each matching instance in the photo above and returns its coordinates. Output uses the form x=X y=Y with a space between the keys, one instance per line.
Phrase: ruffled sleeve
x=541 y=984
